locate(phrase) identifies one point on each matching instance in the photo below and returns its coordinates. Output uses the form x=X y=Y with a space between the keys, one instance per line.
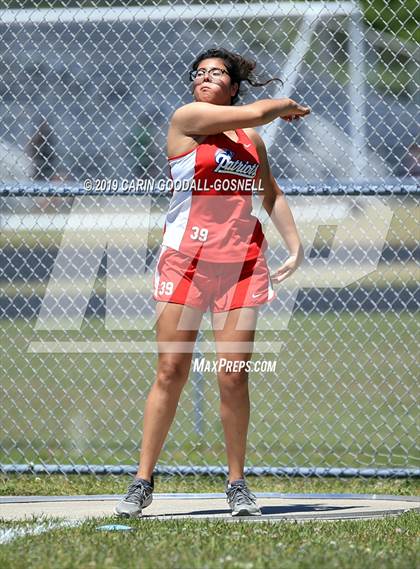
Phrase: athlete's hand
x=288 y=267
x=293 y=111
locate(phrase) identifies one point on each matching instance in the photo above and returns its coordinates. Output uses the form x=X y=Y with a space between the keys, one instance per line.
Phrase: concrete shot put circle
x=274 y=506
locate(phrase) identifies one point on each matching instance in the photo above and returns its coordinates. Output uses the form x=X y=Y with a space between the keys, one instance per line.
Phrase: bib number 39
x=198 y=233
x=165 y=287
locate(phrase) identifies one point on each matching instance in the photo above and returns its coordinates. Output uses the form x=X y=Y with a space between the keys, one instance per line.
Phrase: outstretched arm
x=202 y=118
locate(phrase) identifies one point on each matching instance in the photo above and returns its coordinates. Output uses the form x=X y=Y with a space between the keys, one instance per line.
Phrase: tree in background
x=401 y=18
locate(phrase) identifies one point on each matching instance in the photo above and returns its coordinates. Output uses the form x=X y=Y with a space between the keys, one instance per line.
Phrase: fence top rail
x=175 y=12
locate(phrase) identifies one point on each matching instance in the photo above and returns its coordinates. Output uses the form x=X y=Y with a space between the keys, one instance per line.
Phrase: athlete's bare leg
x=233 y=385
x=172 y=374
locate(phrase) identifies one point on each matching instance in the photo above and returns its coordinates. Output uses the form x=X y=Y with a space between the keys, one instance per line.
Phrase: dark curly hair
x=239 y=68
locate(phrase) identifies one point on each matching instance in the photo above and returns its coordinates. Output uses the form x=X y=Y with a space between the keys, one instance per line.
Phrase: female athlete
x=212 y=256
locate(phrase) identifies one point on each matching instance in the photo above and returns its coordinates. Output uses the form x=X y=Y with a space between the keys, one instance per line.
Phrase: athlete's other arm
x=275 y=203
x=200 y=118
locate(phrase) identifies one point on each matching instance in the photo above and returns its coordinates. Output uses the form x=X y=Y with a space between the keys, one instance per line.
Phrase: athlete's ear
x=234 y=89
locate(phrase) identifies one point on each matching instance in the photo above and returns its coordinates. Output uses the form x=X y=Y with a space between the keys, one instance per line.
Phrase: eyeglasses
x=214 y=73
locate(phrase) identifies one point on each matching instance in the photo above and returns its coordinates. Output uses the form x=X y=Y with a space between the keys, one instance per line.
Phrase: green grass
x=72 y=484
x=374 y=544
x=198 y=544
x=344 y=394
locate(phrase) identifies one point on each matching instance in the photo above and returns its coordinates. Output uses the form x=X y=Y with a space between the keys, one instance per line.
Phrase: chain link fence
x=87 y=90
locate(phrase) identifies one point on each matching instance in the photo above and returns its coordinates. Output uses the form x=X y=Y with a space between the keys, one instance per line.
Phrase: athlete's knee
x=231 y=380
x=171 y=372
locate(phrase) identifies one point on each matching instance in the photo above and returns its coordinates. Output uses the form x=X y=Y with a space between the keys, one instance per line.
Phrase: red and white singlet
x=213 y=216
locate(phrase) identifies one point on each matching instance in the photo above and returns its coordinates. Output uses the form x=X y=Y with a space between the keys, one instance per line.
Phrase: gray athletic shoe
x=240 y=499
x=139 y=496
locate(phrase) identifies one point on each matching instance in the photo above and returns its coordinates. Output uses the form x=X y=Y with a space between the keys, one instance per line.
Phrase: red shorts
x=203 y=284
